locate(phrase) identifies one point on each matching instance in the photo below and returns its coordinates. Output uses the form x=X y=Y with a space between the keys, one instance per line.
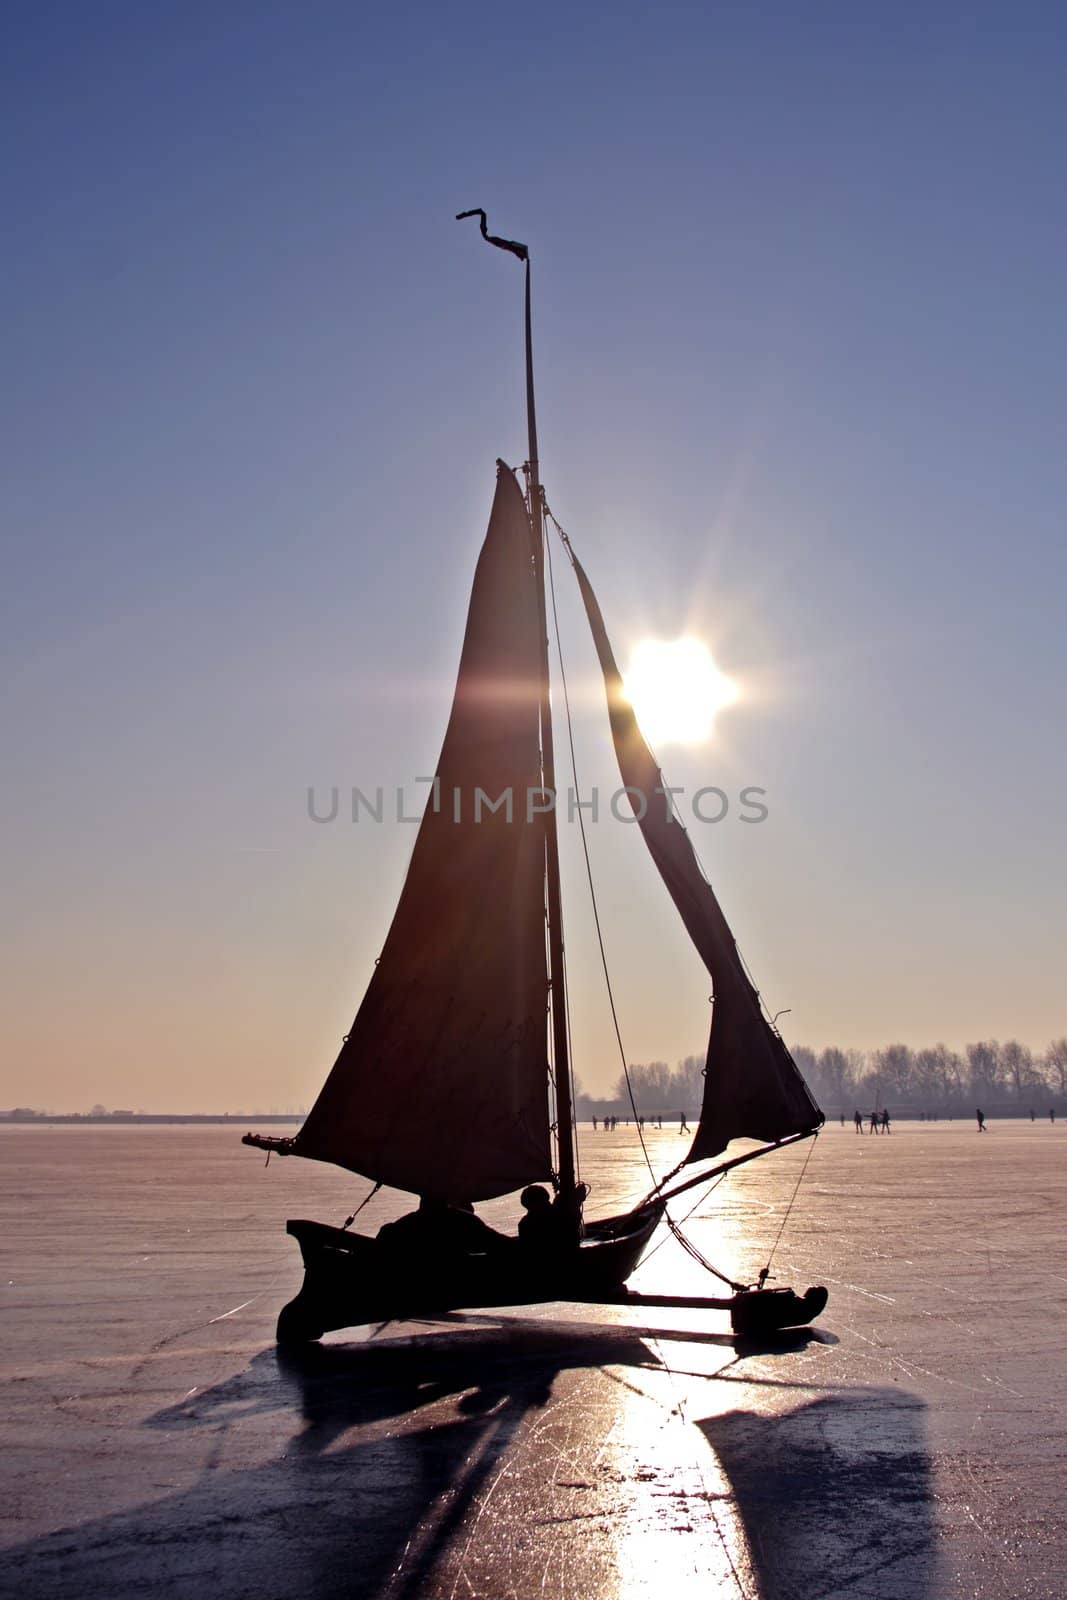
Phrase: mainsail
x=752 y=1087
x=441 y=1087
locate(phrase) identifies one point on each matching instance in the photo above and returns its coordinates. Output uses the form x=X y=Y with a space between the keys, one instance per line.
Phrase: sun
x=676 y=690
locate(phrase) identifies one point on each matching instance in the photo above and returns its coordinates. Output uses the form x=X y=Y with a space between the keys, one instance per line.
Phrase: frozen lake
x=156 y=1445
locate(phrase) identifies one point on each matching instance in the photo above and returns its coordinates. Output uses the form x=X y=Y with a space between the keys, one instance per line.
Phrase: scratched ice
x=155 y=1443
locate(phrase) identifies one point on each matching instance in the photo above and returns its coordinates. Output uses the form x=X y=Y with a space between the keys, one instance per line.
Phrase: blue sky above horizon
x=799 y=346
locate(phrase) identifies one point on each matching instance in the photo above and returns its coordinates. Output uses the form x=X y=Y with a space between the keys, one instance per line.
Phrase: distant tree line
x=934 y=1079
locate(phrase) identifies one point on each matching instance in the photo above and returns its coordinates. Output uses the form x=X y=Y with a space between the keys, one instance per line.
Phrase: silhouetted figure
x=858 y=1120
x=885 y=1121
x=440 y=1228
x=683 y=1126
x=1052 y=1113
x=538 y=1229
x=1033 y=1117
x=549 y=1226
x=659 y=1122
x=594 y=1124
x=981 y=1121
x=842 y=1119
x=875 y=1128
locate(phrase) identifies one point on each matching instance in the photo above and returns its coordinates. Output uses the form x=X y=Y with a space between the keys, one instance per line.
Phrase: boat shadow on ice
x=400 y=1443
x=347 y=1508
x=834 y=1496
x=338 y=1387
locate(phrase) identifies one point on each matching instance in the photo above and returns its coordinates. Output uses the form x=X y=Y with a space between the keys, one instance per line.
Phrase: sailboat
x=454 y=1081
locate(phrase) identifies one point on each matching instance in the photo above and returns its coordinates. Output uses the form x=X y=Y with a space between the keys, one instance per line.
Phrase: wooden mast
x=557 y=976
x=557 y=979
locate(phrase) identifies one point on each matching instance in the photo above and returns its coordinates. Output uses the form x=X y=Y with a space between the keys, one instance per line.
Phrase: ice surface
x=156 y=1444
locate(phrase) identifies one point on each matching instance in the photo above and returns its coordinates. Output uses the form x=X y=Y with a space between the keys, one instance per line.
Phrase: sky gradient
x=799 y=349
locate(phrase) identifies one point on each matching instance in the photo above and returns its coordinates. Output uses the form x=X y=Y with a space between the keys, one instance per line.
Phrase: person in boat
x=550 y=1226
x=444 y=1229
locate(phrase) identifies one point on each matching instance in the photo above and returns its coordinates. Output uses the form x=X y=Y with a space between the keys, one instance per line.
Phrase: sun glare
x=676 y=690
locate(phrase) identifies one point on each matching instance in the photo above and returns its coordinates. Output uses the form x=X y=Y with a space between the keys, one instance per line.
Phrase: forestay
x=752 y=1087
x=441 y=1087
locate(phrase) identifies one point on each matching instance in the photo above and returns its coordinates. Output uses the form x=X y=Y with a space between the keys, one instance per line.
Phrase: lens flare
x=676 y=690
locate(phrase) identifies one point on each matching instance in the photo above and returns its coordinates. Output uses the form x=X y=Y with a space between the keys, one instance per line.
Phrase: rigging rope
x=690 y=1248
x=675 y=1231
x=697 y=1202
x=766 y=1271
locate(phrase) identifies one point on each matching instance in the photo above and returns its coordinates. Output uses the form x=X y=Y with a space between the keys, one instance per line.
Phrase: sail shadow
x=341 y=1386
x=835 y=1497
x=379 y=1453
x=333 y=1525
x=370 y=1484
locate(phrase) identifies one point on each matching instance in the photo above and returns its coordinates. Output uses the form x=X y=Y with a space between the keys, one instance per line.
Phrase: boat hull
x=350 y=1279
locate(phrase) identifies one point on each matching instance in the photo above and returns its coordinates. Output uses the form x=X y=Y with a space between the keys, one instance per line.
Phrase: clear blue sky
x=800 y=317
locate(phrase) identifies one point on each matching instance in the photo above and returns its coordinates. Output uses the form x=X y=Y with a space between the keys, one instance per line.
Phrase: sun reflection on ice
x=679 y=1534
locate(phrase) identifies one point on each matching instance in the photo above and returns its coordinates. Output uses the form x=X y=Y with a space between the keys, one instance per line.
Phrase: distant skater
x=594 y=1124
x=875 y=1122
x=1033 y=1116
x=858 y=1120
x=842 y=1119
x=885 y=1121
x=1052 y=1113
x=683 y=1126
x=981 y=1121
